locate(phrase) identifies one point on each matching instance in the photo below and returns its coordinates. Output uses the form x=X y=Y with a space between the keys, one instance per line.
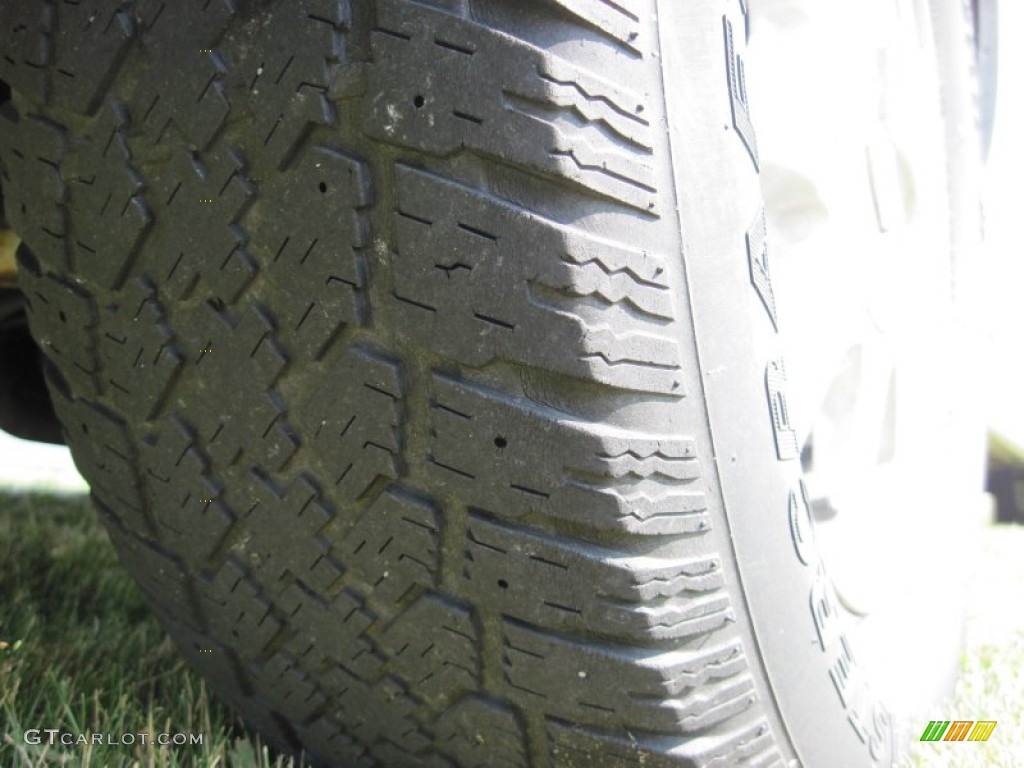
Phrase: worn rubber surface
x=369 y=325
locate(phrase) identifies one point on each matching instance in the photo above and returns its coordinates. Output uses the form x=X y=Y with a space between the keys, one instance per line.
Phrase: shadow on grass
x=81 y=652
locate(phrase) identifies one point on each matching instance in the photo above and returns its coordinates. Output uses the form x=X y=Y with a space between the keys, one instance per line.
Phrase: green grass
x=79 y=651
x=991 y=685
x=991 y=688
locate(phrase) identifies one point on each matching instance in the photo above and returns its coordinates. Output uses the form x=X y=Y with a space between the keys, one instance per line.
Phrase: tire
x=423 y=366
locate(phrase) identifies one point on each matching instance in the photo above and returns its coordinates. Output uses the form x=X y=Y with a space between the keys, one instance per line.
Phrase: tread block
x=624 y=687
x=241 y=685
x=278 y=71
x=326 y=736
x=513 y=457
x=570 y=746
x=224 y=673
x=138 y=360
x=317 y=269
x=332 y=632
x=236 y=610
x=206 y=198
x=249 y=422
x=394 y=547
x=619 y=20
x=185 y=501
x=91 y=39
x=179 y=41
x=564 y=585
x=505 y=99
x=112 y=216
x=24 y=65
x=378 y=714
x=293 y=691
x=217 y=663
x=751 y=746
x=283 y=532
x=351 y=415
x=111 y=469
x=63 y=319
x=454 y=244
x=32 y=150
x=433 y=648
x=479 y=732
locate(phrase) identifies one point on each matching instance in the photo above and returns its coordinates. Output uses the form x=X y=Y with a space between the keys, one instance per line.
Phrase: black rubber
x=369 y=325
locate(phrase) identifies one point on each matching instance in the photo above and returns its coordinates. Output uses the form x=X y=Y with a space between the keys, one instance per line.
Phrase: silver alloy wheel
x=852 y=133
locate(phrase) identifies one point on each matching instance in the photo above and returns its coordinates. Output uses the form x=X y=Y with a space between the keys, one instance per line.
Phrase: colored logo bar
x=958 y=730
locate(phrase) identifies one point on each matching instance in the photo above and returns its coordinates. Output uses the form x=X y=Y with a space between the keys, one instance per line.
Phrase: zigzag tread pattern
x=563 y=585
x=483 y=444
x=103 y=182
x=261 y=315
x=452 y=241
x=619 y=19
x=620 y=689
x=549 y=115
